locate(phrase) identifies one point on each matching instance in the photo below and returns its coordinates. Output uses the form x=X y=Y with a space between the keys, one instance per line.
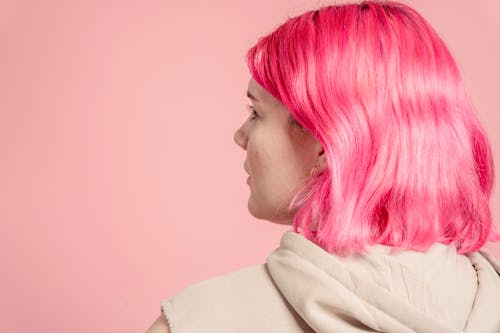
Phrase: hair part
x=408 y=161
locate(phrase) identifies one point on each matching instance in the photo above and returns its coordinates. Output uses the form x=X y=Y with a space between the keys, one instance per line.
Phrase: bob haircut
x=408 y=162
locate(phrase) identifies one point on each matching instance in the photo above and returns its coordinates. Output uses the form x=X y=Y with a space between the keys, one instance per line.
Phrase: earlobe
x=320 y=163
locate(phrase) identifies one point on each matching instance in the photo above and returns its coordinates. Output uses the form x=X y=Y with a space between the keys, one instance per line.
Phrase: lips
x=248 y=179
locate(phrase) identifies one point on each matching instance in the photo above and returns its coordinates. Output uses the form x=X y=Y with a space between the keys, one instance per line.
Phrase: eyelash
x=253 y=113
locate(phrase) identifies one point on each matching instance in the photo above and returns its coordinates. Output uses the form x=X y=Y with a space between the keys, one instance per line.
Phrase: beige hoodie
x=303 y=288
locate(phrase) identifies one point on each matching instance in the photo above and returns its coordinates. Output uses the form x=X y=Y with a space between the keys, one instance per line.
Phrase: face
x=279 y=157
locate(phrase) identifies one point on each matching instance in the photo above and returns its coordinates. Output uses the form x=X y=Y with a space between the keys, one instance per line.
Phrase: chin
x=263 y=215
x=282 y=221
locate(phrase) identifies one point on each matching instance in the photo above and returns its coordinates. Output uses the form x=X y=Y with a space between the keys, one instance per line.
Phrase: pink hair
x=408 y=162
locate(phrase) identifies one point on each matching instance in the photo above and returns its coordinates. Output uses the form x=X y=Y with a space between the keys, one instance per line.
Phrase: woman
x=363 y=138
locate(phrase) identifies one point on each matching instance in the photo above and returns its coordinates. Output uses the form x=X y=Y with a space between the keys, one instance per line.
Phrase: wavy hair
x=409 y=164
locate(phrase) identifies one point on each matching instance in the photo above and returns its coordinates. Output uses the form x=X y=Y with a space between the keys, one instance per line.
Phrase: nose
x=239 y=138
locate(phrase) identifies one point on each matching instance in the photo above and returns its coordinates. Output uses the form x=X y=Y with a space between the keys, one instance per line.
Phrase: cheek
x=257 y=162
x=269 y=153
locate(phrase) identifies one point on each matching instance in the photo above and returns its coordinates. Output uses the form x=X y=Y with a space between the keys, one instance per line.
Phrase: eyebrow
x=249 y=95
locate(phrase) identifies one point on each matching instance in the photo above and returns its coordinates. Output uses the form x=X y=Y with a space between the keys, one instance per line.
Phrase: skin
x=279 y=156
x=160 y=325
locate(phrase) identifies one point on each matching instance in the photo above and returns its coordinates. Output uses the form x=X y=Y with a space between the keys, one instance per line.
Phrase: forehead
x=261 y=94
x=254 y=88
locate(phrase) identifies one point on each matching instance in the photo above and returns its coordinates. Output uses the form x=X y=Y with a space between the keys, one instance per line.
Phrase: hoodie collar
x=402 y=291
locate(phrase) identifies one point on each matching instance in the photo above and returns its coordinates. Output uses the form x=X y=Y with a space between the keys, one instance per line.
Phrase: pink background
x=120 y=181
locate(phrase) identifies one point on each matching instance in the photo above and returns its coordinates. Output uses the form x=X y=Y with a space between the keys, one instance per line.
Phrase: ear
x=321 y=160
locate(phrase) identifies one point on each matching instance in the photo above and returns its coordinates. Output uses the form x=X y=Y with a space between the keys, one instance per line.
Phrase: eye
x=253 y=113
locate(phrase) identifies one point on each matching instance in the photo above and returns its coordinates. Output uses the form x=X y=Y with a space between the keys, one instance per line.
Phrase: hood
x=404 y=291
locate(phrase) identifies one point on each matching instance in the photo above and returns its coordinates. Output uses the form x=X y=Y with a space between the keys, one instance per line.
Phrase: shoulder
x=160 y=325
x=226 y=287
x=234 y=302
